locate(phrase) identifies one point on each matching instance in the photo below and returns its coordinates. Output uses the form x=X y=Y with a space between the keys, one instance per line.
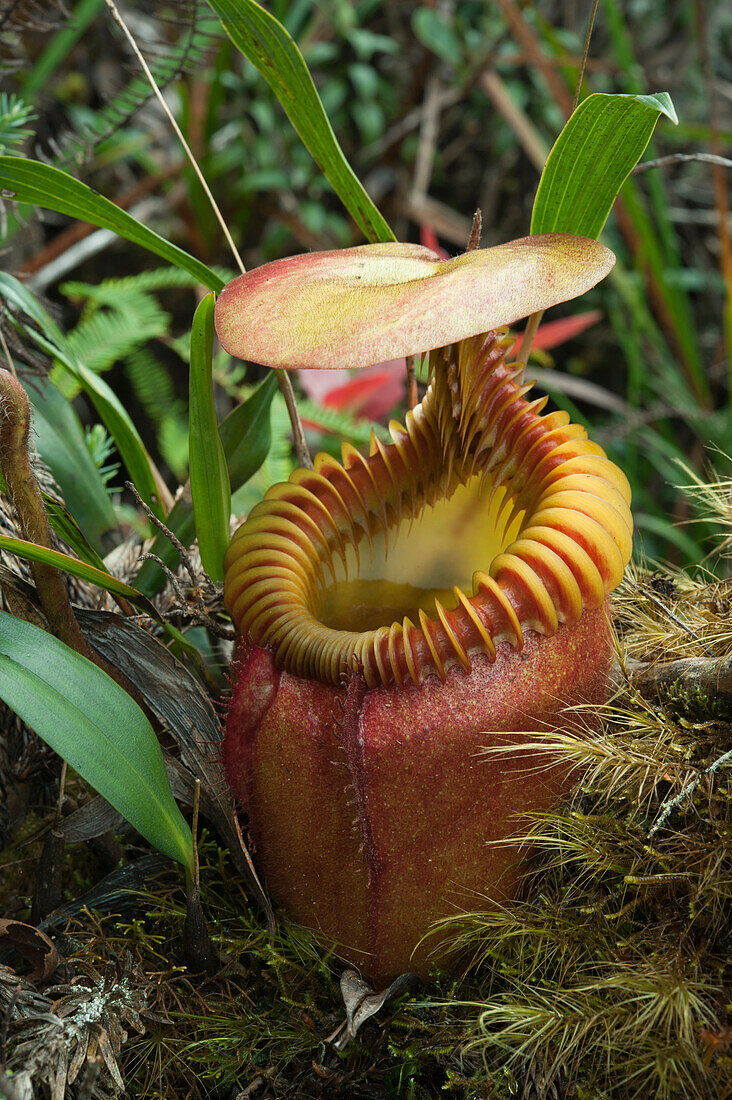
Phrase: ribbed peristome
x=559 y=507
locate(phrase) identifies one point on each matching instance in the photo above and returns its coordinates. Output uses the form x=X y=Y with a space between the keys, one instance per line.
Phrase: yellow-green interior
x=419 y=561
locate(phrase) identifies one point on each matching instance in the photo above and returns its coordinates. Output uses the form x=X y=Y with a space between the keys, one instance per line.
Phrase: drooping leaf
x=90 y=573
x=246 y=438
x=269 y=47
x=364 y=305
x=110 y=408
x=43 y=185
x=210 y=486
x=596 y=151
x=94 y=725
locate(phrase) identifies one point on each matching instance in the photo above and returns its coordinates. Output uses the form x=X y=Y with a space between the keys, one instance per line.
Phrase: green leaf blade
x=210 y=486
x=43 y=185
x=31 y=551
x=591 y=159
x=93 y=724
x=269 y=47
x=246 y=436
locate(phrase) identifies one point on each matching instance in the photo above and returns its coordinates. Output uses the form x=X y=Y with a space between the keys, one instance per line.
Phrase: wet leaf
x=93 y=819
x=362 y=1002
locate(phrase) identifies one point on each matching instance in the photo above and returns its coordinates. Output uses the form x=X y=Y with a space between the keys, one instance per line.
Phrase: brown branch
x=698 y=677
x=298 y=432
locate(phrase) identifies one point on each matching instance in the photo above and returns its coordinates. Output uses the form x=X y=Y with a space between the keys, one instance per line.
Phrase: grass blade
x=210 y=487
x=592 y=157
x=269 y=47
x=30 y=551
x=49 y=187
x=93 y=724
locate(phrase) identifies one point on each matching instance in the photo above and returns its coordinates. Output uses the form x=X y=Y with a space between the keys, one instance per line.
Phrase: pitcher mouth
x=481 y=520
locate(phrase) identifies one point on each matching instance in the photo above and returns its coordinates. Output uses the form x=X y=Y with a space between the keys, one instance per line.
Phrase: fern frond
x=340 y=423
x=167 y=62
x=107 y=335
x=14 y=114
x=144 y=282
x=151 y=383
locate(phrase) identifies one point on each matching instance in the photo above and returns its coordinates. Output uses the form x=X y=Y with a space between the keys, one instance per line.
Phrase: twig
x=178 y=132
x=427 y=137
x=61 y=790
x=585 y=52
x=528 y=337
x=522 y=33
x=475 y=231
x=679 y=158
x=184 y=555
x=698 y=676
x=529 y=137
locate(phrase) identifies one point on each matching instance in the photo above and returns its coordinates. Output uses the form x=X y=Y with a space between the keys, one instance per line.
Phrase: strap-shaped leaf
x=110 y=408
x=43 y=185
x=210 y=487
x=93 y=724
x=269 y=47
x=595 y=153
x=31 y=551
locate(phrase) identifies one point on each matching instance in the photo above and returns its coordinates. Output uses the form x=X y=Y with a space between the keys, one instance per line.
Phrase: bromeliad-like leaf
x=364 y=305
x=93 y=724
x=596 y=151
x=210 y=486
x=43 y=185
x=31 y=551
x=246 y=437
x=269 y=47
